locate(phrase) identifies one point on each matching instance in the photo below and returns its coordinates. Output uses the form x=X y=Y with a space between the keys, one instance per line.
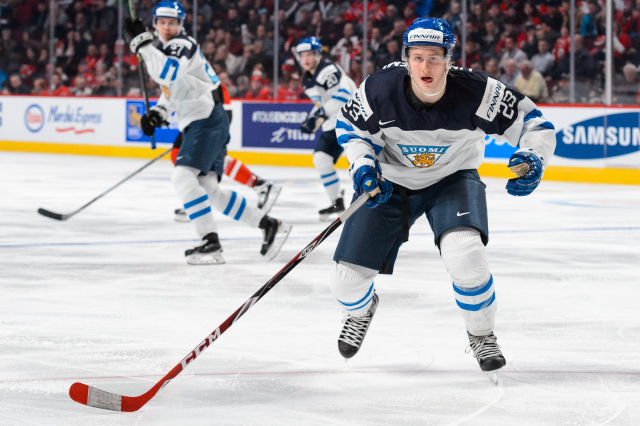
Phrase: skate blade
x=206 y=259
x=181 y=219
x=271 y=199
x=493 y=376
x=283 y=232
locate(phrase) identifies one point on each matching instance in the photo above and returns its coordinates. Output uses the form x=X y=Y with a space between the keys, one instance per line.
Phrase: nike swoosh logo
x=380 y=123
x=462 y=214
x=179 y=157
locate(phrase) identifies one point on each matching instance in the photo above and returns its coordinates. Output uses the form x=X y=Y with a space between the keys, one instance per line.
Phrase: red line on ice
x=276 y=373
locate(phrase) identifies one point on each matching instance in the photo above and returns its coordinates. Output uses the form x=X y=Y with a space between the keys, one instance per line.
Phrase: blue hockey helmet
x=309 y=43
x=169 y=9
x=429 y=32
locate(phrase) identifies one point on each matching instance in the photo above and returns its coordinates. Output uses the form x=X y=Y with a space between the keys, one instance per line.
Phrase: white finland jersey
x=418 y=149
x=331 y=87
x=185 y=76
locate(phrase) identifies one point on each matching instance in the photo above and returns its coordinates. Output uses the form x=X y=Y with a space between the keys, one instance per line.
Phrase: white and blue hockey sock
x=465 y=257
x=353 y=287
x=330 y=179
x=478 y=306
x=195 y=199
x=230 y=203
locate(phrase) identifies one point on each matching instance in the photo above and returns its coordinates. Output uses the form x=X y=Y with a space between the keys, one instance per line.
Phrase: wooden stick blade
x=319 y=123
x=520 y=170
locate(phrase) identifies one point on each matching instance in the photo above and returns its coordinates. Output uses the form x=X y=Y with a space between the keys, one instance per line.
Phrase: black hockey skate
x=354 y=330
x=267 y=194
x=335 y=210
x=180 y=215
x=272 y=228
x=487 y=353
x=209 y=253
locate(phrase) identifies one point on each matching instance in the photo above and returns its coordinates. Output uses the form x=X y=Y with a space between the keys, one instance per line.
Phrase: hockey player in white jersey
x=417 y=128
x=266 y=190
x=330 y=88
x=191 y=89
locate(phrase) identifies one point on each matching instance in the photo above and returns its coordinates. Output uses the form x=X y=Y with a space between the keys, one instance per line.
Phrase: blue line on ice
x=306 y=237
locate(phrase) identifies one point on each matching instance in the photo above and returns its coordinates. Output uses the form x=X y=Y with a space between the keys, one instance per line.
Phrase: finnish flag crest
x=423 y=156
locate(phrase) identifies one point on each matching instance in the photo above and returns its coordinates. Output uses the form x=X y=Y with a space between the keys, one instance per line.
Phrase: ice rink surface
x=107 y=299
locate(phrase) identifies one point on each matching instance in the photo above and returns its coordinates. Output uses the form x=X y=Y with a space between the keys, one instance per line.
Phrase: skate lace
x=354 y=329
x=484 y=346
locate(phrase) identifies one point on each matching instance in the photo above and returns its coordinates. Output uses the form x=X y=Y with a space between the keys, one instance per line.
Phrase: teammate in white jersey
x=417 y=129
x=234 y=168
x=330 y=88
x=191 y=89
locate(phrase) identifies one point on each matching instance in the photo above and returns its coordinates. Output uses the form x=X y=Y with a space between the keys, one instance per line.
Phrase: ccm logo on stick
x=308 y=249
x=201 y=347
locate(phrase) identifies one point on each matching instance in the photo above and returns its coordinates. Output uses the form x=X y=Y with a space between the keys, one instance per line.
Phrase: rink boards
x=594 y=143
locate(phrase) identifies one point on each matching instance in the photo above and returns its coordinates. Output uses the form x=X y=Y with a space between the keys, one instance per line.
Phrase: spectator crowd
x=525 y=44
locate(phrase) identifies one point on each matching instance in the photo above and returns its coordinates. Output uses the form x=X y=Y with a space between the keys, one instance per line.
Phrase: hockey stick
x=143 y=77
x=58 y=216
x=97 y=398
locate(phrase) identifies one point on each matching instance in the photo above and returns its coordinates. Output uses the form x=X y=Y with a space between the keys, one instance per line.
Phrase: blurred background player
x=422 y=128
x=191 y=89
x=329 y=87
x=267 y=192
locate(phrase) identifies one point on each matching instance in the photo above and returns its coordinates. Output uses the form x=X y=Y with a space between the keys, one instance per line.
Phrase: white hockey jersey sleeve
x=537 y=132
x=356 y=128
x=164 y=102
x=523 y=123
x=332 y=89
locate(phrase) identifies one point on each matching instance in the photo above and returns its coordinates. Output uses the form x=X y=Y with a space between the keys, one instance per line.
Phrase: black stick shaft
x=97 y=398
x=124 y=180
x=58 y=216
x=265 y=288
x=143 y=77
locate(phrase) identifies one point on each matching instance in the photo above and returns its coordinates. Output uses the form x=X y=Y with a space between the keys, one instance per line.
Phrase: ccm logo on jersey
x=493 y=93
x=424 y=34
x=423 y=156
